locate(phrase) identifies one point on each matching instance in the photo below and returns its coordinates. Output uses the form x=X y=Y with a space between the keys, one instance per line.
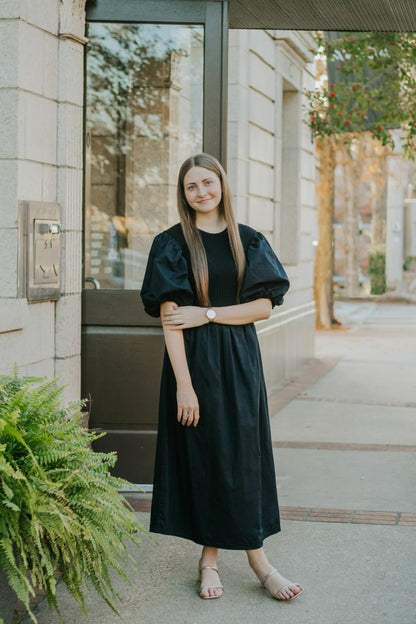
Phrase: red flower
x=347 y=123
x=379 y=128
x=338 y=68
x=363 y=116
x=332 y=94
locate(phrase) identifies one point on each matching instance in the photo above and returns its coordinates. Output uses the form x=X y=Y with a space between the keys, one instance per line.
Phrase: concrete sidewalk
x=345 y=439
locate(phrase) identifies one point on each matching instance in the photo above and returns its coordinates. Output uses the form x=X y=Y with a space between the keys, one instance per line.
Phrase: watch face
x=211 y=314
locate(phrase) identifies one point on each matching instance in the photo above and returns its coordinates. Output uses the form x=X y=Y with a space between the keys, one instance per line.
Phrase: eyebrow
x=203 y=180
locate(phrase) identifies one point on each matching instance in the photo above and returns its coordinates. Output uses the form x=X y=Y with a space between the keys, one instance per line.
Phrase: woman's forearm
x=175 y=346
x=185 y=317
x=187 y=401
x=243 y=313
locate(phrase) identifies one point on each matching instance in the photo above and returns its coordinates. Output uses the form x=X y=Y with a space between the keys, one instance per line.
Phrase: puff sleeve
x=265 y=277
x=166 y=277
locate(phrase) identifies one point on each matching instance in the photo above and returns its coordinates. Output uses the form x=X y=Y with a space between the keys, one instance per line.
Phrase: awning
x=349 y=15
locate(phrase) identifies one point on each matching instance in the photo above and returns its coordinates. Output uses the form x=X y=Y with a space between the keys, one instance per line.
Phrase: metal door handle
x=94 y=281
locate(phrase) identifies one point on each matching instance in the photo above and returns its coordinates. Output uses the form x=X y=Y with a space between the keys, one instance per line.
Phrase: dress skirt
x=215 y=483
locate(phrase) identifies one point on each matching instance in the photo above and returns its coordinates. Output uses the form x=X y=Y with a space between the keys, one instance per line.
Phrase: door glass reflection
x=143 y=118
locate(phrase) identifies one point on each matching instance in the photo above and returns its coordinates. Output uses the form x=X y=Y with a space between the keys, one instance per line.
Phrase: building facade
x=99 y=105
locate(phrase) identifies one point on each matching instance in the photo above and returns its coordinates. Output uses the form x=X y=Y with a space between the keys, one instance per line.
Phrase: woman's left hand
x=185 y=317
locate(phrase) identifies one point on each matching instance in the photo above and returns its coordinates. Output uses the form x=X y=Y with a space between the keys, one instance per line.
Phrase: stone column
x=394 y=226
x=238 y=122
x=69 y=192
x=28 y=122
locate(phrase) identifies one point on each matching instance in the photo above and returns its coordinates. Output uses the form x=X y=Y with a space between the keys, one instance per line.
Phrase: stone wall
x=41 y=99
x=271 y=164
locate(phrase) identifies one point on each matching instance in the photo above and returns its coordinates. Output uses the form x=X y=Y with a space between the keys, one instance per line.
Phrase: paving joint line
x=305 y=397
x=317 y=514
x=345 y=446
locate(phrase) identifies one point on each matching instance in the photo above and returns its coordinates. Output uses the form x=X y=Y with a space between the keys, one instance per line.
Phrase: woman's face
x=203 y=190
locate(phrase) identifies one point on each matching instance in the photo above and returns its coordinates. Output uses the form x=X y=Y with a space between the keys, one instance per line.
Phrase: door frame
x=115 y=318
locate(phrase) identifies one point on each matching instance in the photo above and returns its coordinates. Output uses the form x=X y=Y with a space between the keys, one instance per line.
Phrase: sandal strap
x=215 y=569
x=281 y=587
x=268 y=575
x=208 y=567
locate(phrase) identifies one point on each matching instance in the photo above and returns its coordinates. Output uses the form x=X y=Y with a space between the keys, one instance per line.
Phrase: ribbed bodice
x=223 y=277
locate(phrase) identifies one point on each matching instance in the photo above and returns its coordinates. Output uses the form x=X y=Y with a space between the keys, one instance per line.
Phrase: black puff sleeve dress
x=215 y=483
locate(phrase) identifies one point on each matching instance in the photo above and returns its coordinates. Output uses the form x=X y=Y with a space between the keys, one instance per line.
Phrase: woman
x=210 y=279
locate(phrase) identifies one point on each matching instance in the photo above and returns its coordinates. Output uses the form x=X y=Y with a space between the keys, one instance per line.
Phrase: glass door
x=155 y=94
x=144 y=116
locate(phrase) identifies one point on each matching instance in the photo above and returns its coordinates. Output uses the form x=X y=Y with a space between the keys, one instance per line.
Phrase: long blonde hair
x=190 y=231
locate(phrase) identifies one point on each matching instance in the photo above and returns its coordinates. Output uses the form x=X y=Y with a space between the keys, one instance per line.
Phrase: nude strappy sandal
x=283 y=586
x=205 y=587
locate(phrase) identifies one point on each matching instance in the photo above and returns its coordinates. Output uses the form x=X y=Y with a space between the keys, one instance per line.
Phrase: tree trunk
x=352 y=171
x=378 y=194
x=324 y=262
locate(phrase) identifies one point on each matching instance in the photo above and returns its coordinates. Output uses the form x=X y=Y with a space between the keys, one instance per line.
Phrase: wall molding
x=286 y=317
x=72 y=20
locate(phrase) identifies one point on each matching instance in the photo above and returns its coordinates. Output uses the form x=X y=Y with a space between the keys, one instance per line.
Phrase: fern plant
x=61 y=510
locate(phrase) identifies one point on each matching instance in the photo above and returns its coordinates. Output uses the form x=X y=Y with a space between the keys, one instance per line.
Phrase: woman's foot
x=277 y=585
x=208 y=574
x=210 y=582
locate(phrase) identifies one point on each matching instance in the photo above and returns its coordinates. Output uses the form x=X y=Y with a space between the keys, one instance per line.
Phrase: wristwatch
x=211 y=314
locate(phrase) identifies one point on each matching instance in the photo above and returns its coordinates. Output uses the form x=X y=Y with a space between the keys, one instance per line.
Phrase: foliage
x=377 y=269
x=374 y=88
x=60 y=508
x=409 y=263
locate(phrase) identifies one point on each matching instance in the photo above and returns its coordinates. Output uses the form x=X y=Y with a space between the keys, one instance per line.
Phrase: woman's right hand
x=188 y=406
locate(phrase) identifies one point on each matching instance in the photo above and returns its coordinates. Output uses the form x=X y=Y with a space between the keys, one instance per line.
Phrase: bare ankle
x=209 y=556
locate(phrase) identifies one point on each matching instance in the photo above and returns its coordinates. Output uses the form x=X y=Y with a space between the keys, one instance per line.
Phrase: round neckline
x=213 y=233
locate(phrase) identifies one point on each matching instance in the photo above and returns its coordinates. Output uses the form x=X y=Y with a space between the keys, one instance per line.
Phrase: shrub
x=60 y=508
x=377 y=269
x=409 y=263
